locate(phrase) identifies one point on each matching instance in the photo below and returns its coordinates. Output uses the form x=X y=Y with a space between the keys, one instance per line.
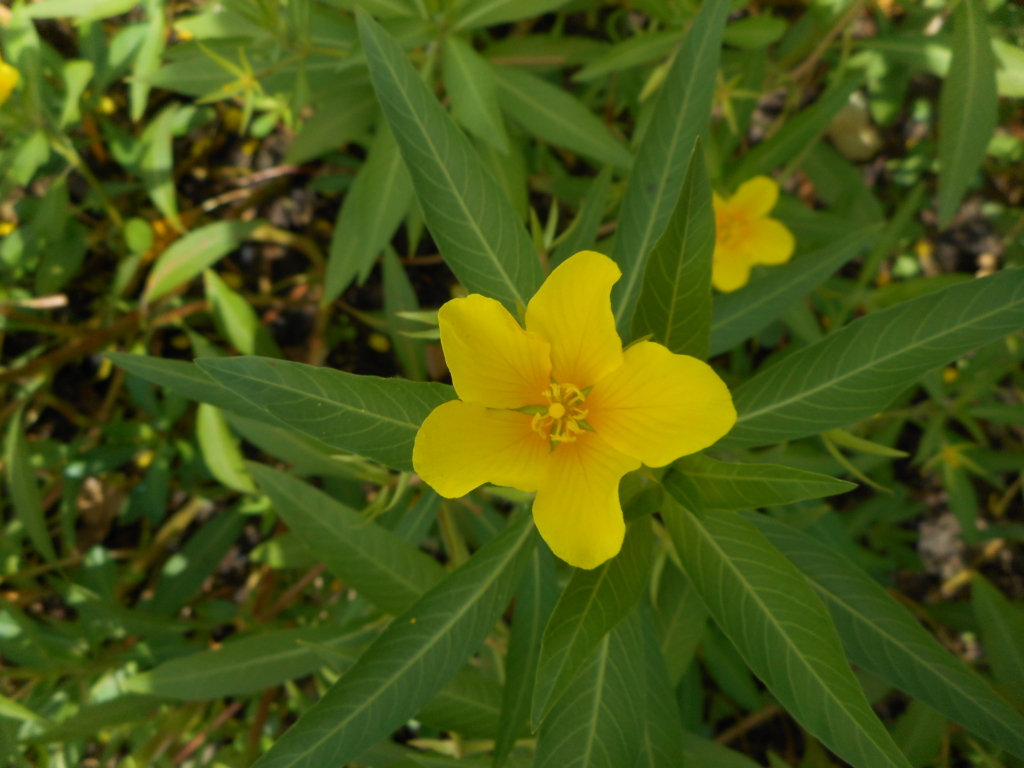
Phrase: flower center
x=731 y=228
x=563 y=418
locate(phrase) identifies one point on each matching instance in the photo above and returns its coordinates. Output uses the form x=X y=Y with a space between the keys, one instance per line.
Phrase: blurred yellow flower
x=562 y=409
x=9 y=77
x=744 y=235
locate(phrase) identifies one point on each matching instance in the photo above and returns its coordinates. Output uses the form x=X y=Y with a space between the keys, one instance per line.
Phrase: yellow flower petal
x=493 y=361
x=756 y=197
x=9 y=77
x=463 y=445
x=573 y=311
x=769 y=242
x=659 y=406
x=730 y=268
x=577 y=508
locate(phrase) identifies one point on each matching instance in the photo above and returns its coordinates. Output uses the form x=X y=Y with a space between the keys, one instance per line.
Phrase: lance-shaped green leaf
x=782 y=630
x=796 y=135
x=24 y=489
x=881 y=636
x=535 y=601
x=469 y=704
x=470 y=218
x=858 y=370
x=681 y=113
x=739 y=315
x=387 y=571
x=373 y=417
x=552 y=114
x=680 y=619
x=412 y=659
x=593 y=602
x=1002 y=632
x=726 y=485
x=583 y=234
x=188 y=380
x=470 y=83
x=675 y=300
x=220 y=449
x=968 y=106
x=236 y=320
x=599 y=722
x=662 y=744
x=485 y=13
x=374 y=207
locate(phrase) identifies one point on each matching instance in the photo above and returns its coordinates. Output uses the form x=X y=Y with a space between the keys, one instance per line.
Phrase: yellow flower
x=9 y=77
x=744 y=235
x=562 y=409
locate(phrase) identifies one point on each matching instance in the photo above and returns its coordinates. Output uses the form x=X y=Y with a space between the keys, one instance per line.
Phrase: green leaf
x=968 y=107
x=599 y=722
x=796 y=135
x=190 y=255
x=556 y=116
x=631 y=52
x=249 y=664
x=920 y=733
x=147 y=61
x=24 y=490
x=411 y=660
x=680 y=619
x=486 y=13
x=374 y=206
x=399 y=297
x=858 y=370
x=725 y=485
x=185 y=571
x=16 y=711
x=754 y=31
x=470 y=218
x=535 y=601
x=157 y=163
x=662 y=743
x=583 y=234
x=470 y=83
x=705 y=752
x=681 y=113
x=76 y=75
x=340 y=117
x=881 y=636
x=739 y=315
x=220 y=449
x=593 y=602
x=373 y=417
x=236 y=320
x=469 y=705
x=387 y=571
x=782 y=630
x=674 y=306
x=1002 y=630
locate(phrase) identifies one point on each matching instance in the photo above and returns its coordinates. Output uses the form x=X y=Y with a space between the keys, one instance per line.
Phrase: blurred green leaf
x=485 y=13
x=470 y=83
x=400 y=297
x=236 y=320
x=662 y=743
x=220 y=449
x=583 y=233
x=23 y=487
x=631 y=52
x=967 y=107
x=755 y=31
x=1002 y=633
x=157 y=164
x=147 y=61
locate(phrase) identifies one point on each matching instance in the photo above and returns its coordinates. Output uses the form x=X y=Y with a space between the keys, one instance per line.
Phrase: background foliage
x=188 y=181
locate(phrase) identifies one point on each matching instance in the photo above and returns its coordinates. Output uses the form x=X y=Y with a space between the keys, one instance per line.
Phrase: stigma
x=564 y=417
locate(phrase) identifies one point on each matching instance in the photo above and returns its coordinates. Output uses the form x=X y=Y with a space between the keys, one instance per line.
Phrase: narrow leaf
x=674 y=306
x=373 y=417
x=881 y=636
x=469 y=216
x=967 y=106
x=390 y=573
x=1002 y=632
x=599 y=722
x=411 y=660
x=24 y=489
x=782 y=630
x=470 y=83
x=725 y=485
x=662 y=744
x=593 y=602
x=739 y=315
x=681 y=113
x=858 y=370
x=583 y=235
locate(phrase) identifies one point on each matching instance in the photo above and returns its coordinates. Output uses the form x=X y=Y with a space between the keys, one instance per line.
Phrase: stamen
x=559 y=420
